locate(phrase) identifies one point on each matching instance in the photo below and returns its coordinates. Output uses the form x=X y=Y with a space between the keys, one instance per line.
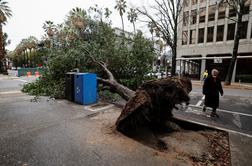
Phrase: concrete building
x=206 y=38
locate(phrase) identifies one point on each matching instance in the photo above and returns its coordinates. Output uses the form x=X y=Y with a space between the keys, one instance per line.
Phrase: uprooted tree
x=152 y=104
x=93 y=46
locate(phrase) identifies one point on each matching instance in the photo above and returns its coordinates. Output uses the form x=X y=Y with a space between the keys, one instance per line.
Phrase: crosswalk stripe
x=226 y=111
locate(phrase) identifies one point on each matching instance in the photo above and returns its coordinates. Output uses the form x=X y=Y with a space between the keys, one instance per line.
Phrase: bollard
x=28 y=74
x=36 y=74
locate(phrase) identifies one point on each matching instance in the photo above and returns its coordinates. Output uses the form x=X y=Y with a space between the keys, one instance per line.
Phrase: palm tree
x=49 y=28
x=31 y=45
x=5 y=13
x=121 y=7
x=77 y=18
x=132 y=16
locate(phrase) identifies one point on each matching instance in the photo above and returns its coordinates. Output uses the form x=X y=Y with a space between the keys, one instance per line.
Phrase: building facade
x=206 y=38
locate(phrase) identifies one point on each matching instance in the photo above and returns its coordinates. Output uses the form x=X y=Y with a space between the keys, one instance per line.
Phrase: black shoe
x=204 y=109
x=214 y=114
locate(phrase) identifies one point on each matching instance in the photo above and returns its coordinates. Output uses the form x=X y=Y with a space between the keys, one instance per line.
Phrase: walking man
x=211 y=89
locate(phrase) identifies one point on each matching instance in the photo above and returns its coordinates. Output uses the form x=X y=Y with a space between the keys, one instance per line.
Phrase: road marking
x=190 y=110
x=237 y=120
x=221 y=110
x=9 y=92
x=215 y=127
x=201 y=101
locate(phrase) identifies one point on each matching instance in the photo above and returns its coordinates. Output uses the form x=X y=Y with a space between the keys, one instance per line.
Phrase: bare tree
x=165 y=20
x=239 y=7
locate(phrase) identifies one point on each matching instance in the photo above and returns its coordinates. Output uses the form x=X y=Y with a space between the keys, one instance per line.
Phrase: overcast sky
x=29 y=15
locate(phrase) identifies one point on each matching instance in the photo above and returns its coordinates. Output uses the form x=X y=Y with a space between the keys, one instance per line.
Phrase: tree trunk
x=134 y=27
x=122 y=24
x=174 y=52
x=1 y=49
x=122 y=90
x=235 y=50
x=173 y=69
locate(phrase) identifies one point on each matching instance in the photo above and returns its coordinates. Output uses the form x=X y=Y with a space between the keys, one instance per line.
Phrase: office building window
x=185 y=18
x=192 y=36
x=220 y=33
x=202 y=14
x=184 y=37
x=244 y=30
x=210 y=31
x=222 y=11
x=185 y=3
x=232 y=12
x=193 y=17
x=194 y=2
x=211 y=12
x=231 y=31
x=201 y=35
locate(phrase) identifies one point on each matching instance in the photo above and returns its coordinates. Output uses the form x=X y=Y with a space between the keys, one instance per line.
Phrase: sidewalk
x=240 y=132
x=235 y=85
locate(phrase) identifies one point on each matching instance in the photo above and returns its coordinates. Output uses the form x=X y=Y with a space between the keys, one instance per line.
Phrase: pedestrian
x=205 y=75
x=211 y=89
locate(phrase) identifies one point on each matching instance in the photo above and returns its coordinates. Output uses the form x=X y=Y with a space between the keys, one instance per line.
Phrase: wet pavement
x=58 y=132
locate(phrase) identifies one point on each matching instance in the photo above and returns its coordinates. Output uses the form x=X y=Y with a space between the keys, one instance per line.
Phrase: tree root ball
x=153 y=103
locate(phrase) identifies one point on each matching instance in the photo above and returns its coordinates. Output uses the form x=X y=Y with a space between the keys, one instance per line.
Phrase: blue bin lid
x=84 y=73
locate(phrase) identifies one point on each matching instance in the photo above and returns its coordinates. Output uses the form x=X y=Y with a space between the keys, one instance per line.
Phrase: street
x=235 y=110
x=58 y=132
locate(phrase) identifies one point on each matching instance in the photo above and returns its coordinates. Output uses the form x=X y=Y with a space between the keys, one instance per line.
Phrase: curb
x=246 y=87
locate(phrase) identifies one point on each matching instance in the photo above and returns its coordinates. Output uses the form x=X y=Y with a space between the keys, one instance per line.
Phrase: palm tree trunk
x=122 y=24
x=31 y=61
x=1 y=49
x=134 y=26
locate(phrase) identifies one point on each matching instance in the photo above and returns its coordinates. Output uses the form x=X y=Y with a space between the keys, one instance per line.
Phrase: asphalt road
x=235 y=111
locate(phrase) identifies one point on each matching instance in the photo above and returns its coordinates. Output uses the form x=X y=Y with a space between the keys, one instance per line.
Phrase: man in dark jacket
x=211 y=89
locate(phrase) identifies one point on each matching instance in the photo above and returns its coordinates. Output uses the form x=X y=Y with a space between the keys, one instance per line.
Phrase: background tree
x=165 y=19
x=77 y=18
x=239 y=7
x=132 y=17
x=31 y=46
x=49 y=27
x=5 y=13
x=121 y=7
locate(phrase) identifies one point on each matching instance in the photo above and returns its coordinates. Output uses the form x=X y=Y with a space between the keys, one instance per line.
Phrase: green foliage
x=46 y=86
x=129 y=60
x=107 y=95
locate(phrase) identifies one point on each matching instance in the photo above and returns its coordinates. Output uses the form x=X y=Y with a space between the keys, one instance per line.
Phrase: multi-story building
x=206 y=38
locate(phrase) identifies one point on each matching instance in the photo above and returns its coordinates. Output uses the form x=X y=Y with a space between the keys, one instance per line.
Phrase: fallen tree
x=152 y=104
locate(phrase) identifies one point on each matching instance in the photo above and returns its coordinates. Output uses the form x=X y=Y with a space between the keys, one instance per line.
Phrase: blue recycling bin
x=85 y=88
